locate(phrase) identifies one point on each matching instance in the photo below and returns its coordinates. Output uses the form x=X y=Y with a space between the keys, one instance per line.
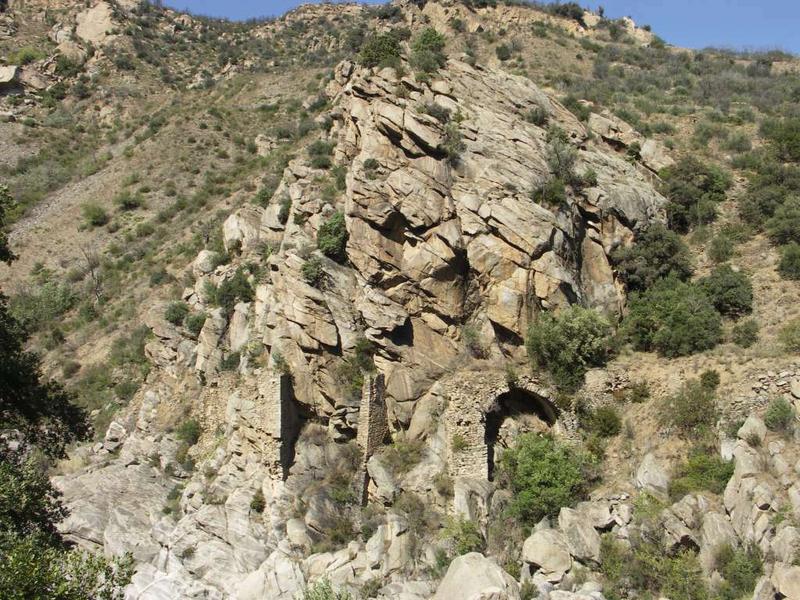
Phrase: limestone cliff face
x=443 y=235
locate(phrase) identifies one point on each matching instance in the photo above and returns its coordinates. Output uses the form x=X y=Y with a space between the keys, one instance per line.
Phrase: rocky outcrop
x=475 y=577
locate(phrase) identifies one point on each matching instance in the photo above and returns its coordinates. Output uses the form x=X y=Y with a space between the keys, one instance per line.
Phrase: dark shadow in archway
x=516 y=402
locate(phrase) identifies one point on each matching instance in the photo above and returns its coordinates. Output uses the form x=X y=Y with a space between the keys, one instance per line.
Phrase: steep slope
x=295 y=290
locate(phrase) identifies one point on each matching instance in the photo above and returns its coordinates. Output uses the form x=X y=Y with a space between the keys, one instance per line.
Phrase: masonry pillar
x=373 y=425
x=282 y=423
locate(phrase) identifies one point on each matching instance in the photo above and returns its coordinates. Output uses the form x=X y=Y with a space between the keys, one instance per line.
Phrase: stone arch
x=528 y=408
x=478 y=403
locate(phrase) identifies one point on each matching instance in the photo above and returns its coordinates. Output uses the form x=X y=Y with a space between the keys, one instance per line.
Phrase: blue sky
x=741 y=24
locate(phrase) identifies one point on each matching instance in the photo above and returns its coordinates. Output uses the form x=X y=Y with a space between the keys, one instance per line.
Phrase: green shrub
x=463 y=536
x=313 y=272
x=380 y=50
x=741 y=569
x=453 y=143
x=693 y=409
x=189 y=431
x=789 y=265
x=230 y=362
x=779 y=415
x=672 y=318
x=745 y=333
x=569 y=343
x=285 y=207
x=25 y=56
x=784 y=226
x=552 y=193
x=603 y=421
x=402 y=456
x=543 y=476
x=94 y=215
x=332 y=238
x=657 y=254
x=128 y=201
x=194 y=323
x=578 y=108
x=637 y=392
x=37 y=305
x=427 y=51
x=784 y=134
x=323 y=590
x=703 y=470
x=561 y=158
x=789 y=336
x=730 y=291
x=647 y=569
x=720 y=249
x=503 y=52
x=176 y=312
x=693 y=190
x=234 y=289
x=538 y=116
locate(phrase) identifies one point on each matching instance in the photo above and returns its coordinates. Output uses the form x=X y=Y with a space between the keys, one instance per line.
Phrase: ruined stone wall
x=281 y=423
x=471 y=397
x=373 y=426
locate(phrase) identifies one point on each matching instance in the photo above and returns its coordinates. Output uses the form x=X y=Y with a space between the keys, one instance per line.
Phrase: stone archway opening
x=515 y=412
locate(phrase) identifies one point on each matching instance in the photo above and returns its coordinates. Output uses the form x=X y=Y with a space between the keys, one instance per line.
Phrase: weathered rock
x=548 y=550
x=96 y=23
x=582 y=539
x=475 y=577
x=651 y=477
x=786 y=579
x=752 y=428
x=205 y=263
x=716 y=532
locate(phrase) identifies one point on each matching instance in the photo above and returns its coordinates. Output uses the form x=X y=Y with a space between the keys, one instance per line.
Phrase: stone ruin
x=282 y=423
x=484 y=410
x=373 y=426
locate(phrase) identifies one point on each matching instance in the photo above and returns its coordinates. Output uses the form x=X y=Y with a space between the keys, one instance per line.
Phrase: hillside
x=444 y=299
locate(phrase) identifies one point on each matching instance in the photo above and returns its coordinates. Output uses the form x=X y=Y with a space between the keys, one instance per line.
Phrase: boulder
x=95 y=24
x=242 y=228
x=786 y=579
x=474 y=577
x=716 y=532
x=205 y=263
x=752 y=428
x=582 y=539
x=651 y=477
x=8 y=76
x=548 y=550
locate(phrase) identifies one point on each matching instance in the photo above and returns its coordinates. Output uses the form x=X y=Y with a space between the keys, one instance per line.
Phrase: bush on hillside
x=720 y=248
x=779 y=415
x=176 y=312
x=603 y=421
x=427 y=51
x=703 y=470
x=94 y=215
x=569 y=343
x=693 y=189
x=740 y=568
x=658 y=253
x=543 y=476
x=552 y=193
x=323 y=590
x=785 y=137
x=693 y=409
x=784 y=225
x=380 y=50
x=789 y=265
x=233 y=290
x=332 y=238
x=730 y=291
x=313 y=272
x=789 y=336
x=673 y=318
x=745 y=333
x=194 y=323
